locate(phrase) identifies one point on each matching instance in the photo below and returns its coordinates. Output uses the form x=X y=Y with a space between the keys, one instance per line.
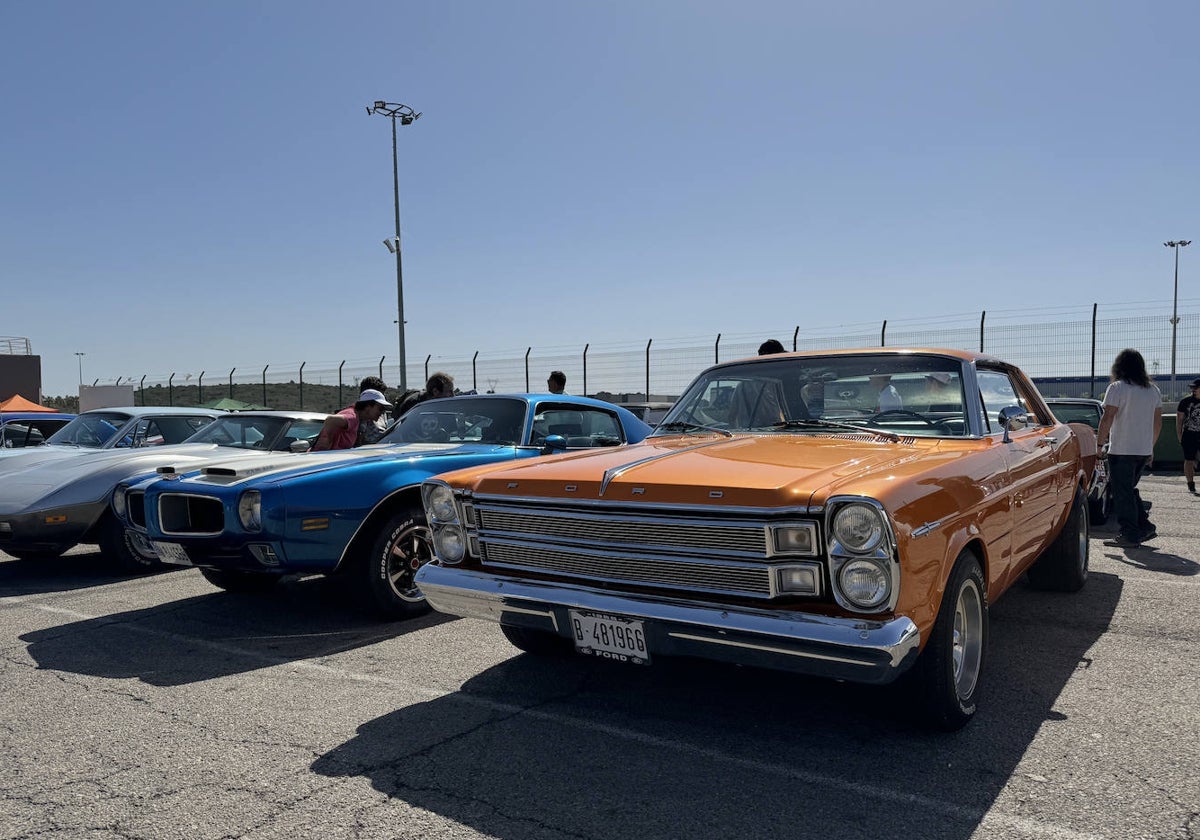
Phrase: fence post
x=381 y=358
x=585 y=351
x=302 y=364
x=528 y=350
x=883 y=335
x=982 y=316
x=427 y=358
x=648 y=343
x=171 y=390
x=716 y=356
x=795 y=335
x=474 y=379
x=142 y=388
x=200 y=390
x=231 y=383
x=264 y=402
x=342 y=365
x=1092 y=379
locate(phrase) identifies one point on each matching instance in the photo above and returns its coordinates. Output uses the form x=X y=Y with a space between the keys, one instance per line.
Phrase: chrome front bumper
x=854 y=649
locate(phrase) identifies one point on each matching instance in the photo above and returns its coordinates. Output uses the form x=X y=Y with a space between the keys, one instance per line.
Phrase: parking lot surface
x=160 y=707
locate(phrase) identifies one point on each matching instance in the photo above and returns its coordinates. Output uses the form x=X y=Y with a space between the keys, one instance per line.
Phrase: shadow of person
x=580 y=747
x=210 y=636
x=1146 y=556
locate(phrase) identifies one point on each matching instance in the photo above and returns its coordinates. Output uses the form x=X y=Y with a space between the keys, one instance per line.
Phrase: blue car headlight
x=250 y=510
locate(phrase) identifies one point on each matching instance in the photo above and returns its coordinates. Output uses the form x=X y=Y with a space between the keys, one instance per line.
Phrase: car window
x=92 y=430
x=997 y=391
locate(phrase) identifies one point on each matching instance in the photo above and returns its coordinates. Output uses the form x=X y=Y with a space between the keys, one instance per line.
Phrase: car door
x=1032 y=461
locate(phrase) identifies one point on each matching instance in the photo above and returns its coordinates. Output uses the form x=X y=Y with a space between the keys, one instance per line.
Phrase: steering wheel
x=900 y=412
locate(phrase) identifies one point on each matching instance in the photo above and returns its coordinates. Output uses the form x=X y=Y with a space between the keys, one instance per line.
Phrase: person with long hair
x=1130 y=426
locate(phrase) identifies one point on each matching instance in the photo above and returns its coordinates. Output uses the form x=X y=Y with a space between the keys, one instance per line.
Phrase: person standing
x=1130 y=425
x=557 y=382
x=770 y=347
x=437 y=386
x=372 y=432
x=340 y=431
x=888 y=398
x=1187 y=429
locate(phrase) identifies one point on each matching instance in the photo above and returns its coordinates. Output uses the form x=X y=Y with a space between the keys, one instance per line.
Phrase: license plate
x=609 y=637
x=171 y=553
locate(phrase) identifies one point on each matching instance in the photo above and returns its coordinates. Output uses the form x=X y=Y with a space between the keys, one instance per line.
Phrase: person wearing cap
x=372 y=432
x=1187 y=429
x=340 y=431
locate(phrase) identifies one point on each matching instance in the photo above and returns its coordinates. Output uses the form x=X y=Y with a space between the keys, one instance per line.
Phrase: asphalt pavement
x=160 y=707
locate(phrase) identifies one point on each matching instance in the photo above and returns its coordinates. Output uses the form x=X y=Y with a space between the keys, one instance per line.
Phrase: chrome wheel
x=408 y=549
x=967 y=640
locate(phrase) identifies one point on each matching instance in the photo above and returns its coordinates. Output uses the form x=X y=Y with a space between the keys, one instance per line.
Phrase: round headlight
x=858 y=527
x=450 y=544
x=865 y=584
x=250 y=510
x=118 y=501
x=439 y=502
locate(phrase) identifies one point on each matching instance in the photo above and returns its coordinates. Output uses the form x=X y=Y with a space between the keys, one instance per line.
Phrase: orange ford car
x=850 y=514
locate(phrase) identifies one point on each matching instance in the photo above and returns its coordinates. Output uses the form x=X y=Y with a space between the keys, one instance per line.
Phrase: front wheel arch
x=360 y=544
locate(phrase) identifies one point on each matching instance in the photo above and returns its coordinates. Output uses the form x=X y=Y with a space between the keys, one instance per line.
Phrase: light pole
x=406 y=116
x=1176 y=244
x=80 y=355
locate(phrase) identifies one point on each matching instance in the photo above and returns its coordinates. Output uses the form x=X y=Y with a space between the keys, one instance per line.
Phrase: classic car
x=1088 y=411
x=355 y=512
x=776 y=518
x=19 y=429
x=651 y=412
x=48 y=506
x=114 y=428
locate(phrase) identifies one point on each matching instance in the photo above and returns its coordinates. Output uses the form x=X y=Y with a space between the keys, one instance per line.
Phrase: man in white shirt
x=1130 y=426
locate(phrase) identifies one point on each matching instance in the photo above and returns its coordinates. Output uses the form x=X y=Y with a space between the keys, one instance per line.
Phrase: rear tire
x=947 y=676
x=1063 y=566
x=385 y=579
x=235 y=581
x=537 y=642
x=121 y=553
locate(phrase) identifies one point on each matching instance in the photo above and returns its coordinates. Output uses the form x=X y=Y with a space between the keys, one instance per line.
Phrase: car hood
x=752 y=471
x=285 y=465
x=19 y=457
x=59 y=480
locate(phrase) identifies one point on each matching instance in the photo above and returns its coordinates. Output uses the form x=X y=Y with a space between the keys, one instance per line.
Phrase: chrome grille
x=699 y=576
x=687 y=551
x=181 y=513
x=748 y=538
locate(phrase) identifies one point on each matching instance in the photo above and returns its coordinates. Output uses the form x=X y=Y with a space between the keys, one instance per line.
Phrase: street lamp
x=406 y=116
x=1176 y=244
x=81 y=355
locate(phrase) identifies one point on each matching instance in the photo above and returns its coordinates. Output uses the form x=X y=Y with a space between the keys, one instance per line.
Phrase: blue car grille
x=181 y=513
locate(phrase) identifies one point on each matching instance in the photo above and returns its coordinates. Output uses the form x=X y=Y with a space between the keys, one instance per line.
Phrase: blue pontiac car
x=356 y=512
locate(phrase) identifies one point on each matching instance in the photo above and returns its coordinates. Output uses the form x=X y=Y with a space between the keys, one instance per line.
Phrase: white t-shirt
x=889 y=398
x=1132 y=431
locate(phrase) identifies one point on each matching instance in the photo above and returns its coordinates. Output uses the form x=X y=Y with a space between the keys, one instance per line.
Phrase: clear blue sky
x=190 y=185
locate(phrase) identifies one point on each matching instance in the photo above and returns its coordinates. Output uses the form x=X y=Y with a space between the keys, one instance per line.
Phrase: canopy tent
x=230 y=404
x=19 y=403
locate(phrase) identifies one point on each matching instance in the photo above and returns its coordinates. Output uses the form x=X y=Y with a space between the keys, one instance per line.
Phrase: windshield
x=462 y=420
x=257 y=432
x=905 y=394
x=93 y=430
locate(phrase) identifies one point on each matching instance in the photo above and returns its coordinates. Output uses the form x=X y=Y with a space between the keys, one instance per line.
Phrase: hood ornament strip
x=615 y=472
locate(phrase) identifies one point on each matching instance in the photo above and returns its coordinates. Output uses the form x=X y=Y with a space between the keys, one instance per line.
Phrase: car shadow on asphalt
x=579 y=747
x=215 y=635
x=68 y=573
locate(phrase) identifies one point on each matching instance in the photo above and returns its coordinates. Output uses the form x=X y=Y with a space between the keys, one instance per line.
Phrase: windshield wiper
x=685 y=426
x=832 y=424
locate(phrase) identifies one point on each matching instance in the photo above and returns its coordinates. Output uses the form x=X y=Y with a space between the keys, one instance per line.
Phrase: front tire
x=947 y=676
x=386 y=578
x=121 y=552
x=234 y=581
x=1063 y=566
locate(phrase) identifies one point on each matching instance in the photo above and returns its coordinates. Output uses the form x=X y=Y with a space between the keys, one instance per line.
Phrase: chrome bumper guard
x=853 y=649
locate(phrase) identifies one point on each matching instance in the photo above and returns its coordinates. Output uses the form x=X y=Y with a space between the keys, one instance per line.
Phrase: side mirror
x=1012 y=418
x=299 y=446
x=553 y=444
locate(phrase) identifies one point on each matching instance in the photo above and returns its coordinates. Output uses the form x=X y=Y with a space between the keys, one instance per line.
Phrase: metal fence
x=1067 y=353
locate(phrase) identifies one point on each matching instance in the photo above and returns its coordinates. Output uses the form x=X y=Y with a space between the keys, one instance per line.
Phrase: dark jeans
x=1124 y=472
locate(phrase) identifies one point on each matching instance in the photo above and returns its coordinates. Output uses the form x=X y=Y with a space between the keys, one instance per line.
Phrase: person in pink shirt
x=340 y=430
